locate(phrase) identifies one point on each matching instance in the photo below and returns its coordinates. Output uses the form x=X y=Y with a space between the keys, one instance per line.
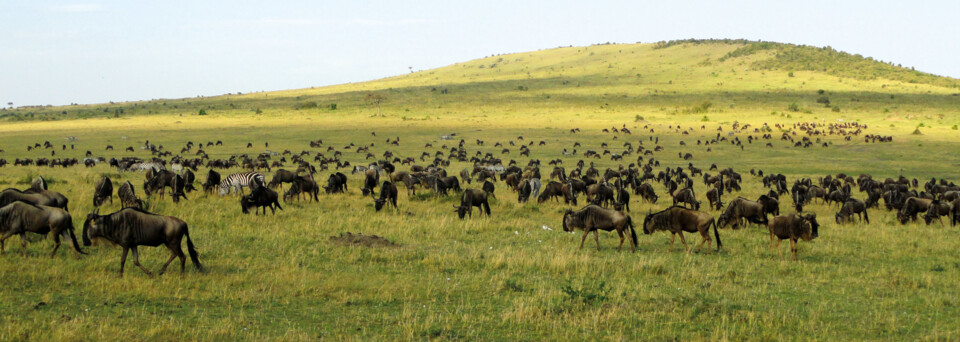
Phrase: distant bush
x=824 y=100
x=793 y=107
x=333 y=106
x=790 y=74
x=202 y=112
x=701 y=108
x=705 y=119
x=637 y=118
x=820 y=92
x=522 y=88
x=258 y=111
x=917 y=131
x=954 y=127
x=836 y=109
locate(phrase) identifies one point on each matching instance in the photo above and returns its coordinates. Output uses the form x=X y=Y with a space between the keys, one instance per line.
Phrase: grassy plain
x=504 y=277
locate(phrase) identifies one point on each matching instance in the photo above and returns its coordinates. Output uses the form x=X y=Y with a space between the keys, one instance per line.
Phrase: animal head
x=648 y=223
x=245 y=203
x=378 y=203
x=461 y=210
x=91 y=227
x=810 y=229
x=566 y=217
x=839 y=218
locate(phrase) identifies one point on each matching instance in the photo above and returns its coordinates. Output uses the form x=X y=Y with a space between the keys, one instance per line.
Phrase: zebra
x=238 y=181
x=155 y=166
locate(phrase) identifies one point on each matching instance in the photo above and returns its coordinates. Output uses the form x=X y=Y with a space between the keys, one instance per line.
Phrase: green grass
x=504 y=277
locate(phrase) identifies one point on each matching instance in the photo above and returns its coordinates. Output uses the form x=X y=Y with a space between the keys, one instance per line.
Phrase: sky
x=95 y=51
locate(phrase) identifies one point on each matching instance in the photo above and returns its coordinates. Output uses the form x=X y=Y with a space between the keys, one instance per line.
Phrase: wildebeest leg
x=793 y=248
x=23 y=243
x=619 y=248
x=585 y=233
x=173 y=254
x=673 y=238
x=136 y=261
x=682 y=239
x=706 y=238
x=56 y=242
x=123 y=260
x=4 y=237
x=596 y=237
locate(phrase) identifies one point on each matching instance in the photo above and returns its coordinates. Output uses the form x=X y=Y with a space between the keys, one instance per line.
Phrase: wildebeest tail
x=277 y=203
x=716 y=234
x=633 y=233
x=192 y=250
x=73 y=238
x=865 y=216
x=486 y=207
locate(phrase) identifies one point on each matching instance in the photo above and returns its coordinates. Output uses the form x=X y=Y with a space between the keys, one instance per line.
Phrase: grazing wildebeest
x=911 y=207
x=623 y=199
x=188 y=179
x=19 y=218
x=280 y=177
x=102 y=190
x=742 y=208
x=472 y=198
x=442 y=184
x=45 y=198
x=936 y=210
x=687 y=197
x=131 y=227
x=371 y=180
x=337 y=183
x=713 y=197
x=677 y=220
x=388 y=193
x=303 y=185
x=529 y=188
x=261 y=197
x=593 y=218
x=556 y=190
x=770 y=205
x=465 y=175
x=489 y=188
x=127 y=196
x=213 y=179
x=793 y=227
x=600 y=194
x=850 y=207
x=646 y=192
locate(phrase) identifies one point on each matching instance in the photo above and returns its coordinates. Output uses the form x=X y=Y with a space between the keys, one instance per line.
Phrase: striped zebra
x=155 y=166
x=238 y=181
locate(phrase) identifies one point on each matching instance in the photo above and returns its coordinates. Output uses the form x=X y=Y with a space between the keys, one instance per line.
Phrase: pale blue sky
x=91 y=51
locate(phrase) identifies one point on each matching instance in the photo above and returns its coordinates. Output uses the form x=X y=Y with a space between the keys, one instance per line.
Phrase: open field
x=507 y=276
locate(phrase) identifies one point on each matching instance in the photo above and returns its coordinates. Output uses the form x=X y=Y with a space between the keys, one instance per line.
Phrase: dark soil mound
x=349 y=239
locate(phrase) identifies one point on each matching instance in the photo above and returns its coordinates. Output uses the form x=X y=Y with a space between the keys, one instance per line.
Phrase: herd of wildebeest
x=41 y=210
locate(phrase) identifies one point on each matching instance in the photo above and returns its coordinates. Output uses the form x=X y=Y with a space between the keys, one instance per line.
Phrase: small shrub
x=835 y=109
x=637 y=118
x=917 y=131
x=790 y=74
x=202 y=112
x=333 y=106
x=793 y=107
x=954 y=127
x=705 y=119
x=820 y=92
x=824 y=100
x=258 y=111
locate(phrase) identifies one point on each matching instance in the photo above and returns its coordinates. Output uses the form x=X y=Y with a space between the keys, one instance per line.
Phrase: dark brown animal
x=102 y=190
x=19 y=218
x=677 y=220
x=388 y=193
x=852 y=207
x=132 y=227
x=740 y=209
x=793 y=227
x=593 y=218
x=472 y=198
x=261 y=197
x=128 y=198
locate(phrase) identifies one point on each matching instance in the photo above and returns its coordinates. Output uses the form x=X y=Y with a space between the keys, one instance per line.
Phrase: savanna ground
x=506 y=276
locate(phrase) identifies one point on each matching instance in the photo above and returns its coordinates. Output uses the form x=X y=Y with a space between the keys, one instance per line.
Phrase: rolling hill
x=620 y=80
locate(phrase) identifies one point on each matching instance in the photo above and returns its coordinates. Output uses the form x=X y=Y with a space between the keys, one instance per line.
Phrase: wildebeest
x=303 y=185
x=556 y=190
x=388 y=193
x=646 y=192
x=677 y=220
x=600 y=194
x=936 y=210
x=336 y=183
x=472 y=198
x=911 y=207
x=188 y=179
x=850 y=207
x=443 y=184
x=45 y=198
x=489 y=188
x=102 y=190
x=370 y=181
x=793 y=227
x=741 y=208
x=686 y=196
x=593 y=218
x=19 y=218
x=213 y=179
x=128 y=198
x=770 y=205
x=280 y=177
x=529 y=188
x=261 y=197
x=131 y=227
